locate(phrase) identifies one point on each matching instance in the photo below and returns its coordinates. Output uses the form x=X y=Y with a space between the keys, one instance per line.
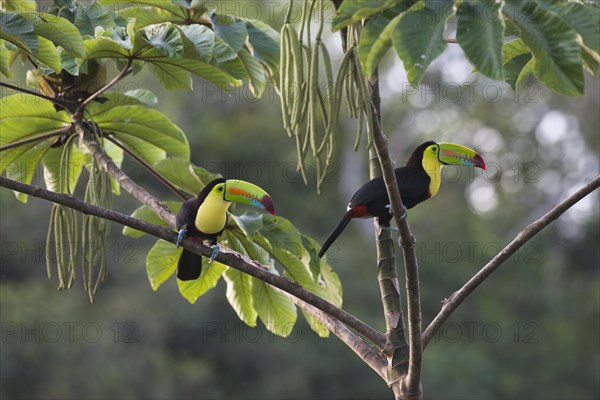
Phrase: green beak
x=455 y=154
x=243 y=192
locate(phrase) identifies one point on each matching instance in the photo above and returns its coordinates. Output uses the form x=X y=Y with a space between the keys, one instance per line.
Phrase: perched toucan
x=205 y=217
x=418 y=181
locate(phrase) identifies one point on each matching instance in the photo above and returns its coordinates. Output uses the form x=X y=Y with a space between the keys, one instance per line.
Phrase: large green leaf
x=553 y=44
x=376 y=37
x=203 y=39
x=515 y=56
x=4 y=60
x=175 y=73
x=249 y=223
x=60 y=32
x=19 y=5
x=239 y=285
x=583 y=18
x=166 y=38
x=276 y=311
x=149 y=133
x=328 y=283
x=184 y=175
x=284 y=242
x=23 y=116
x=18 y=30
x=55 y=171
x=91 y=15
x=480 y=33
x=104 y=47
x=146 y=214
x=239 y=295
x=148 y=12
x=231 y=30
x=23 y=166
x=48 y=54
x=254 y=73
x=161 y=262
x=211 y=273
x=356 y=10
x=144 y=96
x=265 y=43
x=419 y=39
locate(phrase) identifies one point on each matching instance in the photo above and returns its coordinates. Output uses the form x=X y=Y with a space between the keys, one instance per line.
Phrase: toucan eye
x=220 y=188
x=434 y=149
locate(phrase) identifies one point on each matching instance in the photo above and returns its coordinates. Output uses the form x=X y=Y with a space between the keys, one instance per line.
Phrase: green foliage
x=480 y=33
x=419 y=39
x=269 y=240
x=562 y=37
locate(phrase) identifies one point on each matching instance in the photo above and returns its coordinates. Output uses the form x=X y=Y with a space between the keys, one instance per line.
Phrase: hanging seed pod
x=95 y=231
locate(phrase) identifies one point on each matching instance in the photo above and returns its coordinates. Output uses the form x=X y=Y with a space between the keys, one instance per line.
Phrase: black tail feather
x=189 y=266
x=336 y=232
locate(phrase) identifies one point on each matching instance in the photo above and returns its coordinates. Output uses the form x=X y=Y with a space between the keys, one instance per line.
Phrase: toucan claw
x=390 y=228
x=216 y=249
x=181 y=235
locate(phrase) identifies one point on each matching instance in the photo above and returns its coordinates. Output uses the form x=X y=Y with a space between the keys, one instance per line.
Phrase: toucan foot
x=390 y=228
x=404 y=211
x=216 y=249
x=412 y=242
x=181 y=235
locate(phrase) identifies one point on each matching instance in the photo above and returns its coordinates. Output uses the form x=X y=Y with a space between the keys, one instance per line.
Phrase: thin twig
x=148 y=167
x=226 y=256
x=523 y=237
x=37 y=138
x=126 y=70
x=60 y=102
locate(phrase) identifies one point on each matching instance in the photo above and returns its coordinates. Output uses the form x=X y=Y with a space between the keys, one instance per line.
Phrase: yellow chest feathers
x=433 y=167
x=212 y=214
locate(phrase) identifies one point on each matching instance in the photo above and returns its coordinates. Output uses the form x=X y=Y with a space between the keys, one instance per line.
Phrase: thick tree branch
x=412 y=382
x=62 y=103
x=37 y=138
x=226 y=256
x=386 y=261
x=523 y=237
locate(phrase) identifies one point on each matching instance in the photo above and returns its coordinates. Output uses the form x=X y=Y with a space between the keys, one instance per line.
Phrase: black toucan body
x=418 y=181
x=205 y=217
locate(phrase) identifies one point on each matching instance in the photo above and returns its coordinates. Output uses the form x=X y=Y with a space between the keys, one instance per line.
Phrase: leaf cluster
x=504 y=40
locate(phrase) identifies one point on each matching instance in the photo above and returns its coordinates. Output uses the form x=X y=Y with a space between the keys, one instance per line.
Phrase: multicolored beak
x=243 y=192
x=455 y=154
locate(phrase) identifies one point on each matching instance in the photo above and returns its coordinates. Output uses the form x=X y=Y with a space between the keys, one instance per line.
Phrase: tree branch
x=62 y=103
x=37 y=138
x=523 y=237
x=386 y=258
x=226 y=256
x=126 y=70
x=412 y=381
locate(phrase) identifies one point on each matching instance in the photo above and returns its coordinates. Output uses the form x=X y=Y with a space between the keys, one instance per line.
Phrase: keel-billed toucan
x=205 y=217
x=418 y=181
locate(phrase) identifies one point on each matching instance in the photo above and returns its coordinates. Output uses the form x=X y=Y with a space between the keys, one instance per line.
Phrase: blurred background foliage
x=530 y=331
